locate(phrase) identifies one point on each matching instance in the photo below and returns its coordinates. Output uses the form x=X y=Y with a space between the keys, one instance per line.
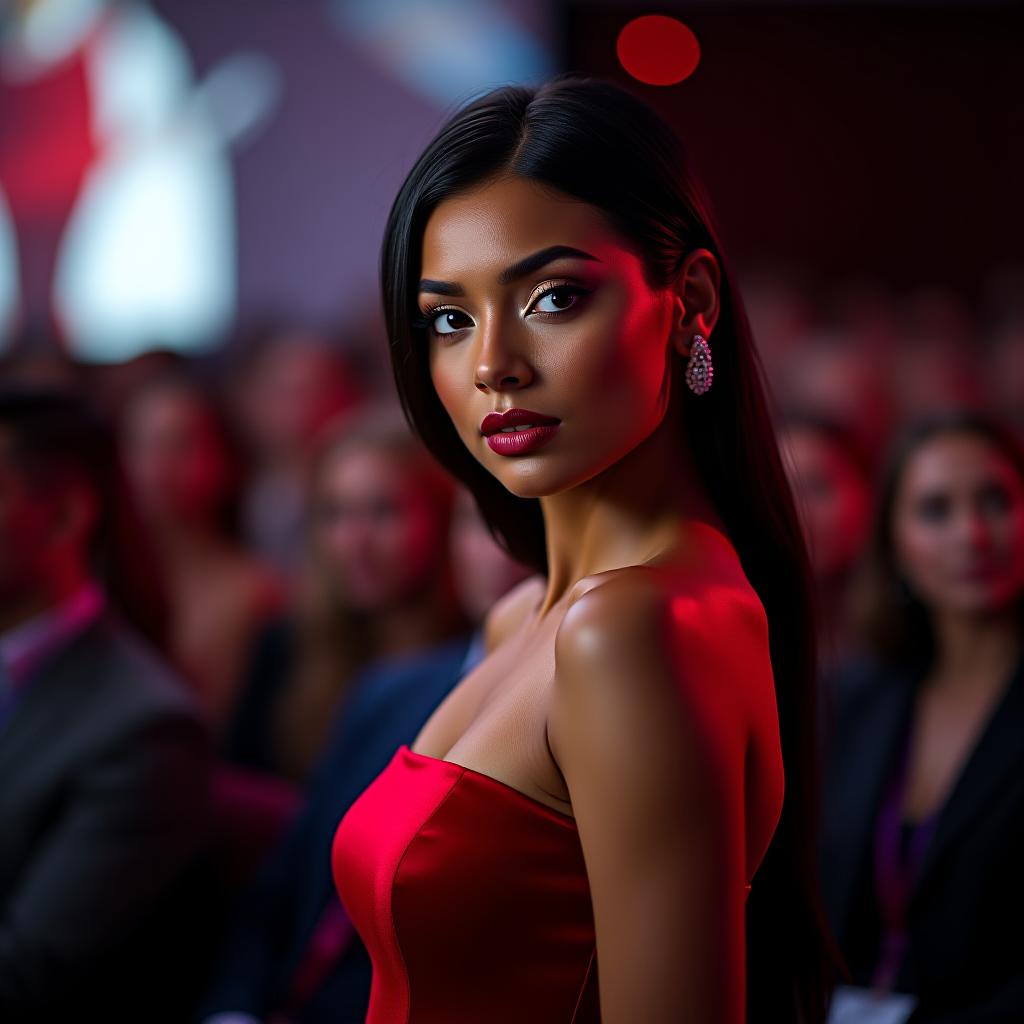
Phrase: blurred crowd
x=231 y=586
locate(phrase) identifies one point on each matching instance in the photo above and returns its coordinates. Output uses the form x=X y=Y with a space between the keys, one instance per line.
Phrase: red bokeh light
x=658 y=50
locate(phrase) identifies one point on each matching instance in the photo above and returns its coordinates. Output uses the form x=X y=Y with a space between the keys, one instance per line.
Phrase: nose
x=500 y=365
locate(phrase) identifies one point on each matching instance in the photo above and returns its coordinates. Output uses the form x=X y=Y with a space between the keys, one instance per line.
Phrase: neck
x=973 y=650
x=629 y=514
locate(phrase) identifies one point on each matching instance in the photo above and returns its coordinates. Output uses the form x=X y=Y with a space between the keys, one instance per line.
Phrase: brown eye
x=560 y=298
x=447 y=321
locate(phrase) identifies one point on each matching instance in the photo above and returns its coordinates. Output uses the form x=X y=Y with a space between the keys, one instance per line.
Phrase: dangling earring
x=699 y=370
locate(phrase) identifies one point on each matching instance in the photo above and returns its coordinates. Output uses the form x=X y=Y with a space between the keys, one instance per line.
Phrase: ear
x=695 y=299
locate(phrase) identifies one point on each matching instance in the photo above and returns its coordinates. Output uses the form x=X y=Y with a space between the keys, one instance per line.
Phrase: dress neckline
x=530 y=801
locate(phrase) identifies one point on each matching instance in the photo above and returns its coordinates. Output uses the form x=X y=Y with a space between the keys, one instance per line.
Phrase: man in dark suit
x=104 y=762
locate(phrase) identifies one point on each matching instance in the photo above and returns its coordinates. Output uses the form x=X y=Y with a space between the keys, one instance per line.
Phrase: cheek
x=1009 y=541
x=919 y=549
x=452 y=375
x=614 y=361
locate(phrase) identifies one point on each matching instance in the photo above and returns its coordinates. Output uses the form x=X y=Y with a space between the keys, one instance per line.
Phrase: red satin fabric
x=471 y=897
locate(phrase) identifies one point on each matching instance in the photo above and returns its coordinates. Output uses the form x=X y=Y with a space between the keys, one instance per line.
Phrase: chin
x=540 y=484
x=531 y=488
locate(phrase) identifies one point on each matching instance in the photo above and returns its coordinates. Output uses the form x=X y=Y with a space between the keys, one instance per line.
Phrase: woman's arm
x=649 y=729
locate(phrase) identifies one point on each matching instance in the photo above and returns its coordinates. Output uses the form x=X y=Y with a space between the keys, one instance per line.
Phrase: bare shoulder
x=608 y=610
x=637 y=609
x=511 y=609
x=649 y=636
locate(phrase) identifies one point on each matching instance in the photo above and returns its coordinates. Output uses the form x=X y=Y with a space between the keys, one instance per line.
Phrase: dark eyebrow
x=519 y=270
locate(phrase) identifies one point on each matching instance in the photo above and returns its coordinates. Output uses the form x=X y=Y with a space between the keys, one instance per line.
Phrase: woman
x=606 y=783
x=923 y=839
x=831 y=476
x=287 y=385
x=181 y=466
x=378 y=583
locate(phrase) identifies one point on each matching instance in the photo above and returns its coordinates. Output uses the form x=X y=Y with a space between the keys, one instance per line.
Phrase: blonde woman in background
x=377 y=584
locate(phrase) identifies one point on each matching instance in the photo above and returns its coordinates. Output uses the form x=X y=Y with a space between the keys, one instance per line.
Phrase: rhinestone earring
x=699 y=371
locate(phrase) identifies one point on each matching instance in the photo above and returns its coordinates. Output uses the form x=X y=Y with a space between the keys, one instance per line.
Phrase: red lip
x=493 y=422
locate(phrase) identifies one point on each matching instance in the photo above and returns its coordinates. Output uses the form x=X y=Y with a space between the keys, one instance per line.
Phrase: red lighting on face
x=658 y=50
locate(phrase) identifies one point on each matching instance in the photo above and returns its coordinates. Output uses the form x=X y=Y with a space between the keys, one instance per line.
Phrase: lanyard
x=896 y=872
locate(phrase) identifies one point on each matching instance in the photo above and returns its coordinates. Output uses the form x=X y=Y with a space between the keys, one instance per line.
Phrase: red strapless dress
x=471 y=897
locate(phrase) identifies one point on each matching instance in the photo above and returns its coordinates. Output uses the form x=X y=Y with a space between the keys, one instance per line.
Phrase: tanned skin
x=631 y=687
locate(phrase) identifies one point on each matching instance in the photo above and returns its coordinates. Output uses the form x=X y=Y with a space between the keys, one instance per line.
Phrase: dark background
x=845 y=139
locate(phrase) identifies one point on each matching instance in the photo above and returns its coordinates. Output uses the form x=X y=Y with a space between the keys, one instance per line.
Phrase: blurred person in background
x=923 y=826
x=377 y=582
x=936 y=363
x=36 y=361
x=483 y=571
x=836 y=377
x=289 y=384
x=1005 y=371
x=782 y=317
x=104 y=757
x=185 y=476
x=291 y=949
x=831 y=479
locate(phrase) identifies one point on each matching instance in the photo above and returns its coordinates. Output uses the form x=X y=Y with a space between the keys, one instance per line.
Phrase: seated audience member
x=377 y=582
x=483 y=571
x=184 y=474
x=292 y=954
x=287 y=384
x=104 y=758
x=831 y=479
x=923 y=824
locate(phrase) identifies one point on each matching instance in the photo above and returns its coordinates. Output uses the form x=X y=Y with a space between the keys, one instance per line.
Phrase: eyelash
x=425 y=319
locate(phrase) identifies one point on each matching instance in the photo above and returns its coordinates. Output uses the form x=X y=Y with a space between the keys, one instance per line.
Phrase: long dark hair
x=892 y=620
x=596 y=142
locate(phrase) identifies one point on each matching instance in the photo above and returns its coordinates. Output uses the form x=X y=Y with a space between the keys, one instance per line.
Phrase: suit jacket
x=965 y=957
x=105 y=767
x=388 y=705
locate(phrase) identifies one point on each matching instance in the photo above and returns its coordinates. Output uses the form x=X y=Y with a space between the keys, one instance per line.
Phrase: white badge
x=852 y=1005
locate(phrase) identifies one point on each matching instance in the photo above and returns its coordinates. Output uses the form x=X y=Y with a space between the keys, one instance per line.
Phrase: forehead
x=483 y=230
x=958 y=460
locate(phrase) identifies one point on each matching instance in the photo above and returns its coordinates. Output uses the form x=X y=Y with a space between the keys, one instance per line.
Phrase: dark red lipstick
x=518 y=431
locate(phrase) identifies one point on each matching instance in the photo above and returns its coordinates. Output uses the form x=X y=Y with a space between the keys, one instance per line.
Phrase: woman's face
x=958 y=525
x=834 y=498
x=577 y=335
x=378 y=532
x=174 y=456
